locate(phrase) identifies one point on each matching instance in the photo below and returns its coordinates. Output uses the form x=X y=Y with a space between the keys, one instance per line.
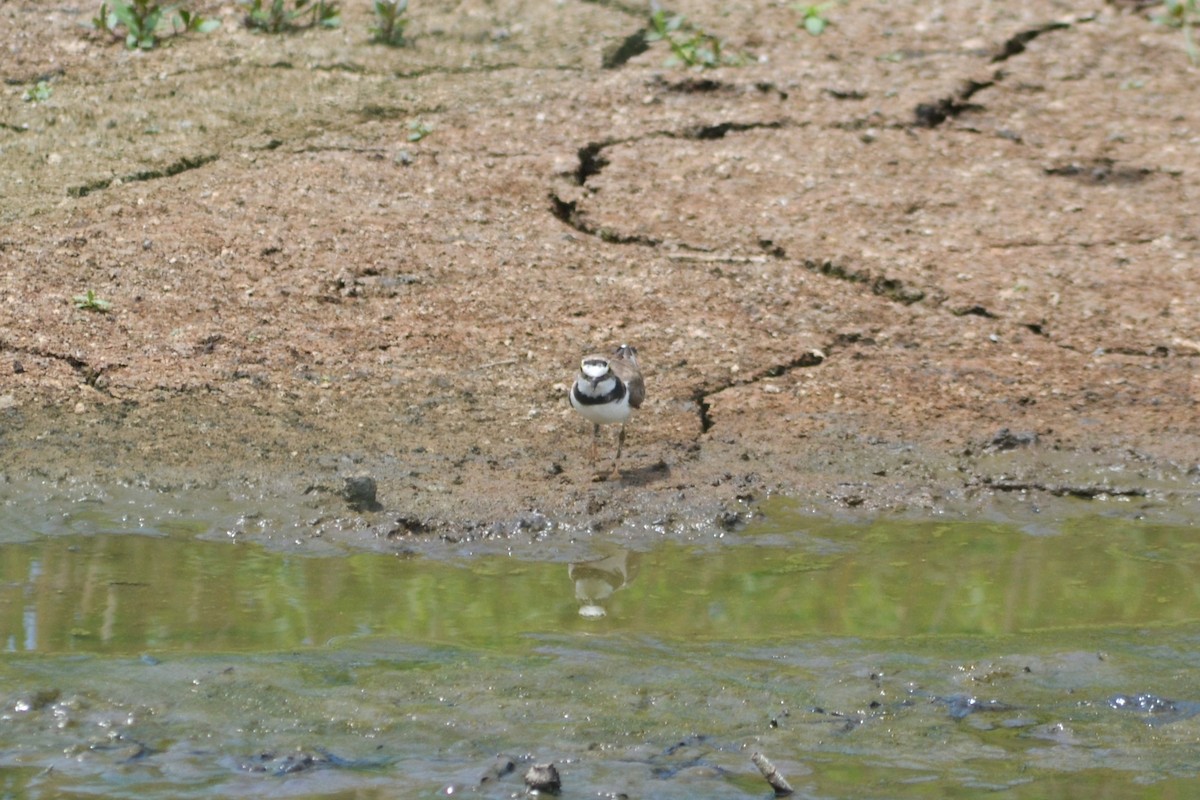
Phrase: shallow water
x=898 y=659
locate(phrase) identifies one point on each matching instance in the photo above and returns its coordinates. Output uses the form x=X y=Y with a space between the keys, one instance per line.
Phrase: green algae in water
x=900 y=659
x=131 y=594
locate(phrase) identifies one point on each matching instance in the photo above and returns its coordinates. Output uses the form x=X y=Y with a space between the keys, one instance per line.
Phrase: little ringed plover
x=606 y=391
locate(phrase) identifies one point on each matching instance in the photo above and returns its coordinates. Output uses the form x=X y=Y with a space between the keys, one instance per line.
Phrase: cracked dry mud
x=941 y=258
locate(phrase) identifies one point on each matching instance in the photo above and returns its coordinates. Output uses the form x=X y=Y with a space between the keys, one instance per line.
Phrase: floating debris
x=778 y=782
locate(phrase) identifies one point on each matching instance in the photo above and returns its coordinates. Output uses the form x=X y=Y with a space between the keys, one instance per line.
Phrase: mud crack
x=91 y=375
x=1086 y=492
x=697 y=85
x=722 y=129
x=182 y=165
x=567 y=211
x=805 y=360
x=1100 y=171
x=592 y=161
x=1015 y=45
x=892 y=288
x=930 y=115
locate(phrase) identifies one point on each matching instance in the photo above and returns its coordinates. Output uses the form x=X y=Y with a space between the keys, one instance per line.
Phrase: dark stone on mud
x=731 y=521
x=1011 y=440
x=408 y=526
x=503 y=766
x=543 y=778
x=290 y=764
x=38 y=700
x=359 y=493
x=535 y=522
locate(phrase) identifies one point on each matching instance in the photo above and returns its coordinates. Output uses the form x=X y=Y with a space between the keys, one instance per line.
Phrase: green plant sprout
x=389 y=22
x=699 y=49
x=101 y=20
x=813 y=17
x=418 y=130
x=140 y=20
x=90 y=302
x=274 y=16
x=191 y=22
x=38 y=93
x=1183 y=14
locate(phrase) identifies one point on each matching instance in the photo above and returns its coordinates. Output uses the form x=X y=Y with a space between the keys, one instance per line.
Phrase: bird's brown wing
x=629 y=373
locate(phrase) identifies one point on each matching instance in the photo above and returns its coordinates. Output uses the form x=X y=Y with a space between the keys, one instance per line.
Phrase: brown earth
x=939 y=259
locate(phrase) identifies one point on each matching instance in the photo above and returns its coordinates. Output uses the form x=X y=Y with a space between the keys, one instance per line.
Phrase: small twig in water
x=778 y=782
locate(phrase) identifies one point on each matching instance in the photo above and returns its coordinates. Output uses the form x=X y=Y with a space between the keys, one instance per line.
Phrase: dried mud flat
x=938 y=259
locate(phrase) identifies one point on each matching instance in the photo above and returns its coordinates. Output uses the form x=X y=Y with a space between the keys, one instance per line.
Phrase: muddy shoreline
x=903 y=267
x=311 y=499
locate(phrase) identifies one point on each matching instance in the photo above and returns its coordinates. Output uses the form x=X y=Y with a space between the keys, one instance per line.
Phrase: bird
x=607 y=390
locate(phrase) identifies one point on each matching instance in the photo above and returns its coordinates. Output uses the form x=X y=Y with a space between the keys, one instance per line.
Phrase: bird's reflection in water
x=596 y=581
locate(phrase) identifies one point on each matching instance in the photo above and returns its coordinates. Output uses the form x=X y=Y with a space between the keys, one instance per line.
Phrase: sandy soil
x=939 y=259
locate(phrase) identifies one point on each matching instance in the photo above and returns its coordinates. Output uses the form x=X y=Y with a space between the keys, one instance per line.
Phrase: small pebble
x=543 y=778
x=359 y=493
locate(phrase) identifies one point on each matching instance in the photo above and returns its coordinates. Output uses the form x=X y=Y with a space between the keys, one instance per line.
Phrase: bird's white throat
x=594 y=368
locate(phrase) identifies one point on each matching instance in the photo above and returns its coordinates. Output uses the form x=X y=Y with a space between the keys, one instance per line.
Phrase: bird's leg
x=595 y=442
x=616 y=473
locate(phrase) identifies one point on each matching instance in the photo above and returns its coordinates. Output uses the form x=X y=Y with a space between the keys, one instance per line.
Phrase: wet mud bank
x=397 y=493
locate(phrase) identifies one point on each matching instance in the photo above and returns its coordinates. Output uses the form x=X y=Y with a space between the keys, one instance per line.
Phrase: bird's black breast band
x=619 y=391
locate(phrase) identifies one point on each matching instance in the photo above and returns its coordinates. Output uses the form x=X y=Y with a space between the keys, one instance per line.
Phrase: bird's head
x=594 y=368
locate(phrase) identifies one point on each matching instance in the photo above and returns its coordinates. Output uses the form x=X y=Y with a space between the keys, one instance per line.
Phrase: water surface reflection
x=131 y=594
x=915 y=660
